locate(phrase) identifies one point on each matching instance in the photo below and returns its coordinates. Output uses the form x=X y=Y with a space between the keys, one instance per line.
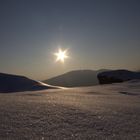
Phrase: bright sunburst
x=61 y=55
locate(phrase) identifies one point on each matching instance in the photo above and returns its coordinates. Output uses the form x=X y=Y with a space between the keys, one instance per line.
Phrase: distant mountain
x=116 y=76
x=76 y=78
x=15 y=83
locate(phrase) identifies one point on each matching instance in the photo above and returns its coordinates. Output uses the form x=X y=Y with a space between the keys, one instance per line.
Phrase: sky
x=99 y=34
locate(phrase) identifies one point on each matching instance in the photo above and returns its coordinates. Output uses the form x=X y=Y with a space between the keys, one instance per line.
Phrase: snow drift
x=15 y=83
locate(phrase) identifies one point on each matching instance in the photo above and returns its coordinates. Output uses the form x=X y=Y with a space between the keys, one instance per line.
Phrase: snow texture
x=103 y=112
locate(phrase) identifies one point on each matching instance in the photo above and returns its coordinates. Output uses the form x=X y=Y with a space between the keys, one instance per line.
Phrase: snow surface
x=106 y=112
x=16 y=83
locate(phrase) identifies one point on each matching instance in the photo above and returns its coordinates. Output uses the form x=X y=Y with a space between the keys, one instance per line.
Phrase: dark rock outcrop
x=117 y=76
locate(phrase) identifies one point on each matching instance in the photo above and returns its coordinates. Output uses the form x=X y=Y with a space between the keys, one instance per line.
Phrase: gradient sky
x=98 y=34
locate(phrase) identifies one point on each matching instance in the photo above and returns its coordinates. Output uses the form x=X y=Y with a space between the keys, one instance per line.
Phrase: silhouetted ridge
x=75 y=78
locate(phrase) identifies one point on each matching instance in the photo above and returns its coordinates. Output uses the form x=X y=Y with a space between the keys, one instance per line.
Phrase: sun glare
x=61 y=55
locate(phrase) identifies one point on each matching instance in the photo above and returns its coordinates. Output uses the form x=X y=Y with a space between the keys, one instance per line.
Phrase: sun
x=61 y=55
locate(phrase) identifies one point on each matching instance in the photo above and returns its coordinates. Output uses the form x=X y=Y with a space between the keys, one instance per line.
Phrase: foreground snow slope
x=109 y=112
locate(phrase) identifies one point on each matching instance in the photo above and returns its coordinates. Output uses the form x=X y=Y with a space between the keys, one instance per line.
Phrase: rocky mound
x=116 y=76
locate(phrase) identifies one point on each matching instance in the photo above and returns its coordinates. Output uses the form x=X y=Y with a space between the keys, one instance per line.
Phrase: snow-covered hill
x=15 y=83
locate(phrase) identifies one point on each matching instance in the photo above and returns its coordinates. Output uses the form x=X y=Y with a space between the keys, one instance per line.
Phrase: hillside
x=15 y=83
x=76 y=78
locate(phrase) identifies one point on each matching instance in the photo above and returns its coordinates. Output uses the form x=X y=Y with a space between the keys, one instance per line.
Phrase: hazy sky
x=97 y=33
